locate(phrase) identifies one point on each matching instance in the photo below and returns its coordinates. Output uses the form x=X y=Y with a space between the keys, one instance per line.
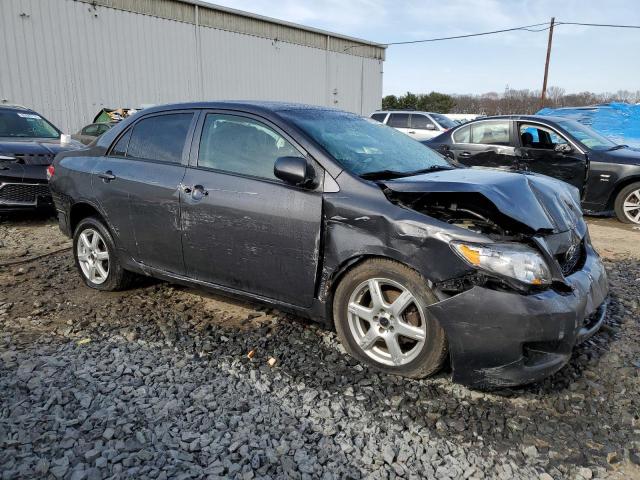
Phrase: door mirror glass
x=294 y=171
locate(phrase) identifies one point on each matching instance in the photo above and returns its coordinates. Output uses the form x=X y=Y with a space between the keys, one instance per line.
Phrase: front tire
x=627 y=205
x=379 y=310
x=95 y=257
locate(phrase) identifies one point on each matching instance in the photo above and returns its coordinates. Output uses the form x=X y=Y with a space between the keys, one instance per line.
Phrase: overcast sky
x=583 y=58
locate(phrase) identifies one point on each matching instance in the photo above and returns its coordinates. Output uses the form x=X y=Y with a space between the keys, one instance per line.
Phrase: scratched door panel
x=252 y=235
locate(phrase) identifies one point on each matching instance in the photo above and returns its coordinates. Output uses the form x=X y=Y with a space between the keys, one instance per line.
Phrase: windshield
x=586 y=136
x=445 y=122
x=364 y=146
x=25 y=125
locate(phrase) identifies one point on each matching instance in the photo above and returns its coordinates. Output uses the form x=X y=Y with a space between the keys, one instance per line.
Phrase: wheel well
x=80 y=211
x=334 y=280
x=624 y=183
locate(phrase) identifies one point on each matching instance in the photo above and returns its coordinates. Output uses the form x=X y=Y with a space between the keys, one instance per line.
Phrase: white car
x=418 y=125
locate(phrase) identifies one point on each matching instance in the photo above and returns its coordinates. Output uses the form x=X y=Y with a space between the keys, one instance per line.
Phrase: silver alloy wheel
x=631 y=206
x=386 y=321
x=93 y=256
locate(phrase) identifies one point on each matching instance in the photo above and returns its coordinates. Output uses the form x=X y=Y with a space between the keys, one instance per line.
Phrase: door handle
x=465 y=154
x=412 y=132
x=107 y=176
x=199 y=192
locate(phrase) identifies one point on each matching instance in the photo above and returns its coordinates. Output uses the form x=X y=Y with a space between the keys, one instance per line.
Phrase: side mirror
x=563 y=148
x=294 y=171
x=431 y=126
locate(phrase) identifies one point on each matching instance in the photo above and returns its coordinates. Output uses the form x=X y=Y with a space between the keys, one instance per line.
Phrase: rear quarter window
x=379 y=117
x=462 y=135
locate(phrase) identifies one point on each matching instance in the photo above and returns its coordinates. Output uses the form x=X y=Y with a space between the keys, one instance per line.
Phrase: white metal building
x=67 y=59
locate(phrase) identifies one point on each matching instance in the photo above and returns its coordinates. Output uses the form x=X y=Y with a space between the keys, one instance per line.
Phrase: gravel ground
x=157 y=382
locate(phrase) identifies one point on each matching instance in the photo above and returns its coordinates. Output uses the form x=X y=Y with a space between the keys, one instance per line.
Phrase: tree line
x=511 y=101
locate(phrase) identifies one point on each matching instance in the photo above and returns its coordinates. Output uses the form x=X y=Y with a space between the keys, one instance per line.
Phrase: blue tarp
x=618 y=121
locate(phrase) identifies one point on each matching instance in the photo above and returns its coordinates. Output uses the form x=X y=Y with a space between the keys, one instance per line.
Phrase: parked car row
x=326 y=214
x=606 y=174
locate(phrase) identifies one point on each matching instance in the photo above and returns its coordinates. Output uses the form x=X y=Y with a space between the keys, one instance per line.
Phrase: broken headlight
x=512 y=260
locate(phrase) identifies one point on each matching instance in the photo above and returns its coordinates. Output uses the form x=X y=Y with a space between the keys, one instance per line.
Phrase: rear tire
x=390 y=328
x=95 y=257
x=627 y=205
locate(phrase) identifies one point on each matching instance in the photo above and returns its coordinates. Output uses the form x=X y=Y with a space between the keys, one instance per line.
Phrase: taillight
x=50 y=171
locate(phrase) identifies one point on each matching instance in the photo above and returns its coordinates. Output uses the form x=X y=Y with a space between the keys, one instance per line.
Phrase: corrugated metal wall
x=68 y=59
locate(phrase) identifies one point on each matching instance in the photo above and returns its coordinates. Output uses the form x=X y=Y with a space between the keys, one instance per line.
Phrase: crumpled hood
x=35 y=151
x=540 y=202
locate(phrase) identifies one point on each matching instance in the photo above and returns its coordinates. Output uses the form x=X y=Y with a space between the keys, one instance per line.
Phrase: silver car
x=418 y=125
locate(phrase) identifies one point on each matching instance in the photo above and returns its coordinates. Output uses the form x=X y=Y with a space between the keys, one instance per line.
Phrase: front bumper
x=500 y=338
x=24 y=187
x=24 y=196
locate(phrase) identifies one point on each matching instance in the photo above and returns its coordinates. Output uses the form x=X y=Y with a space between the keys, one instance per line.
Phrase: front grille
x=571 y=261
x=34 y=158
x=23 y=193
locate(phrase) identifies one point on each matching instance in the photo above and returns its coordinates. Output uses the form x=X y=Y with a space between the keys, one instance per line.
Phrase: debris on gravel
x=157 y=382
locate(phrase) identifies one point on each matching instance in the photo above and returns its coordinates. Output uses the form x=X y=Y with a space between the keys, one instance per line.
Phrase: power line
x=598 y=25
x=528 y=28
x=525 y=27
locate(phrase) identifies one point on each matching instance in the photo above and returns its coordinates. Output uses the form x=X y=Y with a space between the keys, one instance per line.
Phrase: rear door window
x=236 y=144
x=398 y=120
x=120 y=148
x=160 y=138
x=379 y=117
x=490 y=133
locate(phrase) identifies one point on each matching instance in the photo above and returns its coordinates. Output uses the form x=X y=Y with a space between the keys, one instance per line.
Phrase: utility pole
x=546 y=65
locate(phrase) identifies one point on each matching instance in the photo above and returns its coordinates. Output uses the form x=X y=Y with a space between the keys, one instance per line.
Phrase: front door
x=547 y=152
x=138 y=187
x=484 y=144
x=242 y=227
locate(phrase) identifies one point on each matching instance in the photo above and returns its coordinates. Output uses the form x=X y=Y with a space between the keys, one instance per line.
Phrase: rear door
x=138 y=187
x=544 y=150
x=484 y=144
x=242 y=227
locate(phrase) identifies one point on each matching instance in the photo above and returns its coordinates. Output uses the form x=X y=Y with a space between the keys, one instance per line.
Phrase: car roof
x=405 y=111
x=15 y=108
x=251 y=106
x=537 y=118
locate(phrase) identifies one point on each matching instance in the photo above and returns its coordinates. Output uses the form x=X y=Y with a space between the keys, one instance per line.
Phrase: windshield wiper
x=387 y=174
x=432 y=168
x=617 y=147
x=382 y=174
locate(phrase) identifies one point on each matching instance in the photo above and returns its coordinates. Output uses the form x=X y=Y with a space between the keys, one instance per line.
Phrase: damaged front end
x=534 y=287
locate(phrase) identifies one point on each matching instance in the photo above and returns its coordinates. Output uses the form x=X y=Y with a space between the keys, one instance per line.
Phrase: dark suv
x=345 y=220
x=28 y=143
x=607 y=175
